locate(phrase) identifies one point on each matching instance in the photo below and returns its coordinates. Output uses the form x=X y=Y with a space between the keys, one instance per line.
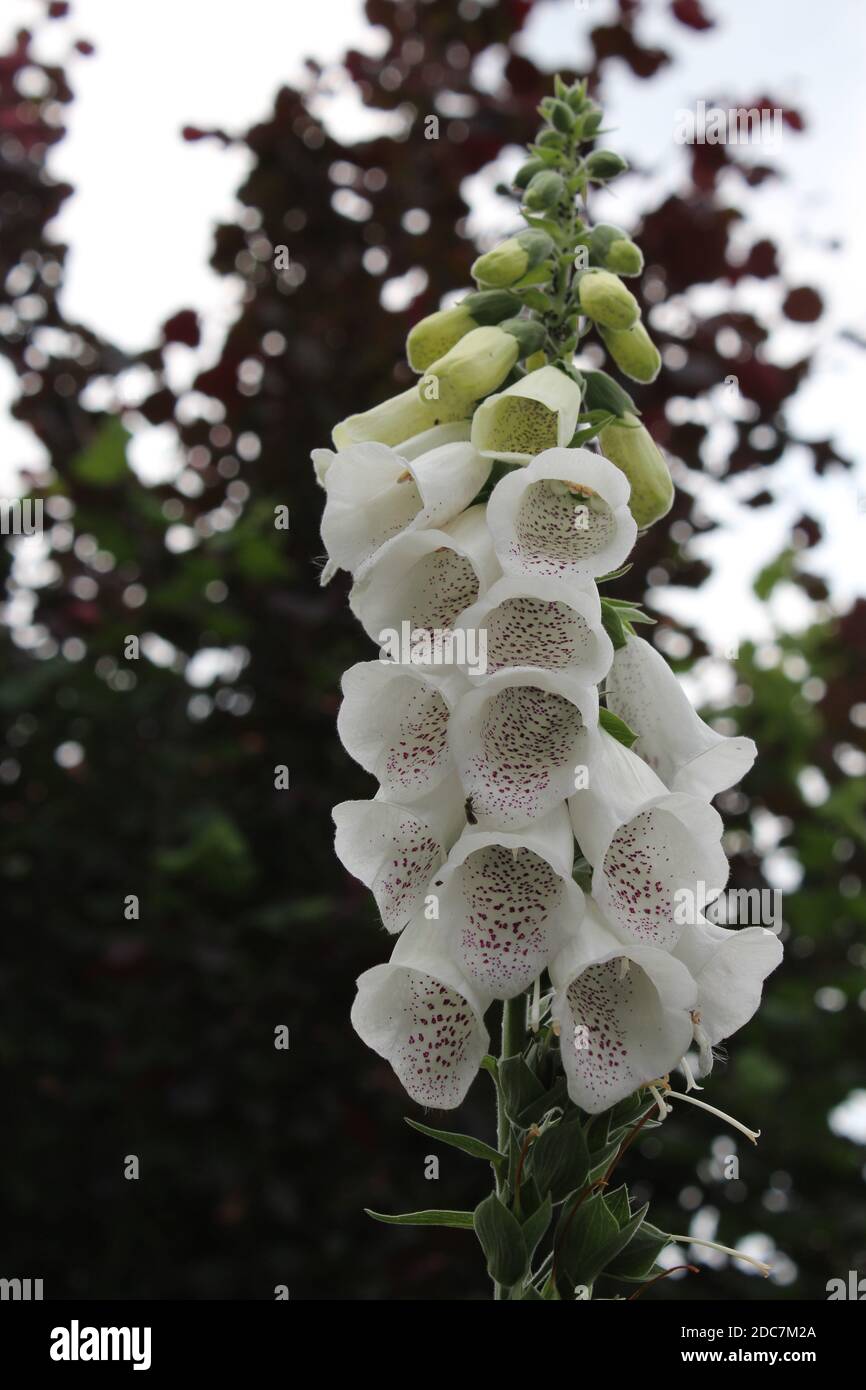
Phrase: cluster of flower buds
x=529 y=835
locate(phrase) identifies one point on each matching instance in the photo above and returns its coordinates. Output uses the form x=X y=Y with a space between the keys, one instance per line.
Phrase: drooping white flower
x=729 y=968
x=545 y=623
x=418 y=1013
x=686 y=753
x=646 y=845
x=508 y=902
x=623 y=1013
x=425 y=577
x=517 y=742
x=394 y=722
x=374 y=492
x=564 y=515
x=395 y=849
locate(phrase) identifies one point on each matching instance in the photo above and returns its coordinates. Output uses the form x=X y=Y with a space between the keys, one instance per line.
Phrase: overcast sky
x=141 y=221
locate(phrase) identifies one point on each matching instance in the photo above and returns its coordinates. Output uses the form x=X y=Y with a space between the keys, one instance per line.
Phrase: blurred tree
x=154 y=778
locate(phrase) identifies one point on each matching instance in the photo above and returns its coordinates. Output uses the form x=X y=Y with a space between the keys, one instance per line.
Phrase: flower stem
x=513 y=1041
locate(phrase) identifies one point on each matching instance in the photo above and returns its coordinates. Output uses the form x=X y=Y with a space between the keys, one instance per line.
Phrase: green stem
x=513 y=1042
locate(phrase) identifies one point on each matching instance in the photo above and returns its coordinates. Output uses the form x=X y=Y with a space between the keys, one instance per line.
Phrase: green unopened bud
x=395 y=420
x=538 y=412
x=590 y=122
x=561 y=116
x=544 y=191
x=633 y=351
x=527 y=171
x=611 y=248
x=550 y=138
x=436 y=334
x=602 y=165
x=632 y=448
x=605 y=299
x=491 y=306
x=530 y=334
x=511 y=259
x=471 y=369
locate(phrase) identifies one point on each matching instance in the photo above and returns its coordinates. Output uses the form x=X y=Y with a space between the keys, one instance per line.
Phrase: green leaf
x=501 y=1238
x=465 y=1142
x=591 y=1240
x=535 y=1226
x=556 y=1096
x=618 y=1203
x=615 y=574
x=520 y=1086
x=103 y=462
x=583 y=1236
x=616 y=727
x=559 y=1160
x=603 y=393
x=460 y=1220
x=536 y=299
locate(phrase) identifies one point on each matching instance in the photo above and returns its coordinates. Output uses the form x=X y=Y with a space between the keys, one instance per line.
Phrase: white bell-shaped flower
x=418 y=1013
x=508 y=903
x=394 y=722
x=425 y=578
x=729 y=968
x=647 y=846
x=518 y=739
x=565 y=515
x=624 y=1013
x=686 y=753
x=530 y=623
x=395 y=850
x=374 y=492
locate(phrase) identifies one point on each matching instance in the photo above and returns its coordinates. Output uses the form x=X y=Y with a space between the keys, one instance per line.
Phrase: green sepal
x=557 y=1096
x=539 y=275
x=590 y=424
x=616 y=727
x=501 y=1238
x=637 y=1263
x=603 y=393
x=531 y=335
x=459 y=1220
x=535 y=1226
x=536 y=299
x=489 y=307
x=520 y=1086
x=612 y=624
x=559 y=1160
x=476 y=1148
x=618 y=1203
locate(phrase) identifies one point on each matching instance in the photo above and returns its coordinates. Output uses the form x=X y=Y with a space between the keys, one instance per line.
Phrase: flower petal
x=425 y=578
x=375 y=492
x=418 y=1014
x=646 y=845
x=508 y=903
x=565 y=515
x=686 y=753
x=394 y=722
x=621 y=1025
x=395 y=850
x=729 y=968
x=516 y=740
x=544 y=623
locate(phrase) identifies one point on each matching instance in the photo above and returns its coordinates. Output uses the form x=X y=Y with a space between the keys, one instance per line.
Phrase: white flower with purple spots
x=624 y=1013
x=394 y=722
x=645 y=844
x=419 y=1013
x=520 y=742
x=545 y=623
x=508 y=903
x=565 y=515
x=729 y=968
